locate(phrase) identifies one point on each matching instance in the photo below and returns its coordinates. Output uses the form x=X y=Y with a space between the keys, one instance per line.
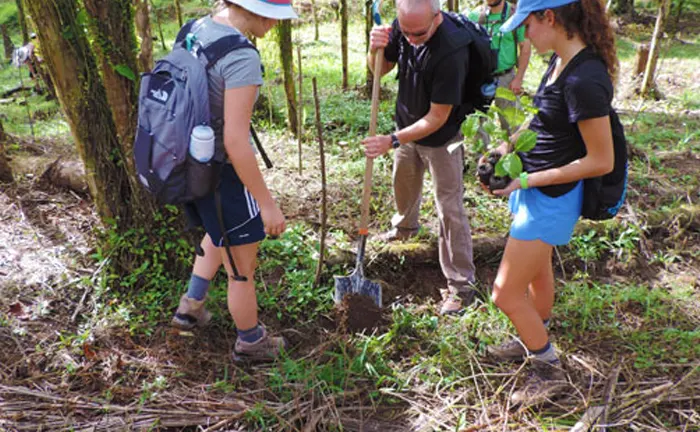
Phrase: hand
x=512 y=186
x=376 y=145
x=273 y=219
x=379 y=37
x=516 y=86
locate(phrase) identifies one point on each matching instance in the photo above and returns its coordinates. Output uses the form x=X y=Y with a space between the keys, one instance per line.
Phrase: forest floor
x=78 y=354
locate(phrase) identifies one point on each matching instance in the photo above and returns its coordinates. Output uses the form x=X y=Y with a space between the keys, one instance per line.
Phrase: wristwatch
x=394 y=141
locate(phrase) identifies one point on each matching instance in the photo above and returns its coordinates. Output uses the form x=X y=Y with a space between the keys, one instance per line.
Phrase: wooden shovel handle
x=369 y=162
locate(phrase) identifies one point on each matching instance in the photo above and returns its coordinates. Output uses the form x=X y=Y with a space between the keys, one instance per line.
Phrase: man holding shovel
x=432 y=60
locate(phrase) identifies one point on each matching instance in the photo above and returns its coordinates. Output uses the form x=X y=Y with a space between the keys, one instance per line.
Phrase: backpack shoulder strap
x=182 y=34
x=222 y=46
x=507 y=13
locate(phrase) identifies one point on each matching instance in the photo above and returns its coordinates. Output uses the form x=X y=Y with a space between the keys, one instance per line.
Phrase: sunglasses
x=420 y=33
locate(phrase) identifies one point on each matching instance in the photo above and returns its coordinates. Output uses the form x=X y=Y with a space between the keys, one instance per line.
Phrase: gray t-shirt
x=239 y=68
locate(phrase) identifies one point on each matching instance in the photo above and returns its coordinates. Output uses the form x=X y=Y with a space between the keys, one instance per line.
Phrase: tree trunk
x=284 y=39
x=112 y=29
x=22 y=18
x=5 y=168
x=453 y=5
x=648 y=80
x=369 y=77
x=178 y=12
x=74 y=71
x=158 y=24
x=300 y=110
x=7 y=42
x=314 y=8
x=113 y=24
x=641 y=60
x=679 y=12
x=344 y=40
x=142 y=20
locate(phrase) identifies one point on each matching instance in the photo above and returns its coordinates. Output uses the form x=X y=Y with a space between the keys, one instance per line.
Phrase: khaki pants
x=504 y=82
x=446 y=170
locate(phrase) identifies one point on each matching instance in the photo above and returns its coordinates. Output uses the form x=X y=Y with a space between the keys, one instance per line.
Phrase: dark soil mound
x=357 y=313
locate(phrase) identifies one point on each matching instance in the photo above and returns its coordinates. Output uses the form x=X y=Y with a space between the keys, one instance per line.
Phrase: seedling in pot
x=496 y=170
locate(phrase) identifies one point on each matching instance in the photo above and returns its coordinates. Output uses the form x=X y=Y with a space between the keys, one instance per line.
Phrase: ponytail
x=588 y=19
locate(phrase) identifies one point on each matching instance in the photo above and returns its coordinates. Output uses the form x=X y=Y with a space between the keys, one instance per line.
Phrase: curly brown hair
x=588 y=19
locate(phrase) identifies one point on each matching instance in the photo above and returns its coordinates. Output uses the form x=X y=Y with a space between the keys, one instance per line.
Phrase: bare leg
x=206 y=266
x=522 y=262
x=541 y=289
x=242 y=302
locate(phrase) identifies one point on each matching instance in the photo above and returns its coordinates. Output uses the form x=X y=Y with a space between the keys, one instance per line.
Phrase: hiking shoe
x=511 y=351
x=190 y=313
x=397 y=234
x=544 y=381
x=457 y=303
x=267 y=348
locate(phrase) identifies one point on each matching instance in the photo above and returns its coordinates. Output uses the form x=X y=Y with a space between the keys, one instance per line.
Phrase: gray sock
x=198 y=287
x=546 y=354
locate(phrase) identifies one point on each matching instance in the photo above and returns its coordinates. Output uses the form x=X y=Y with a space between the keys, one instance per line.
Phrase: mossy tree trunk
x=82 y=96
x=5 y=168
x=6 y=41
x=114 y=43
x=22 y=18
x=344 y=40
x=284 y=39
x=142 y=19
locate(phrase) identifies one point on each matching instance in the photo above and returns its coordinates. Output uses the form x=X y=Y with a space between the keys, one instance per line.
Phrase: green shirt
x=502 y=42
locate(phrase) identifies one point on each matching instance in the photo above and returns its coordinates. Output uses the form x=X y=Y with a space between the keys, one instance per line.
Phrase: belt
x=507 y=71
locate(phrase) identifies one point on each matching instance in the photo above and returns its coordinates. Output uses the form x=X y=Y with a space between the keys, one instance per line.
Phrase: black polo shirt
x=435 y=72
x=583 y=91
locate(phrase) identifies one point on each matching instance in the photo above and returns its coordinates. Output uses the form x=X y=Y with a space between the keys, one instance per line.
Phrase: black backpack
x=483 y=60
x=603 y=196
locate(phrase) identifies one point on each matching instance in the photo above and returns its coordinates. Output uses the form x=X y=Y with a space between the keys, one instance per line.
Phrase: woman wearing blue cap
x=574 y=142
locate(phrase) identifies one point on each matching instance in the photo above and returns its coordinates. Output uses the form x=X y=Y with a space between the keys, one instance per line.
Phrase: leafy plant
x=510 y=164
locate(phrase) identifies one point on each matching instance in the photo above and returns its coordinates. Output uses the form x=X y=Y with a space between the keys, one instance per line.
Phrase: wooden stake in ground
x=324 y=215
x=344 y=40
x=300 y=106
x=648 y=80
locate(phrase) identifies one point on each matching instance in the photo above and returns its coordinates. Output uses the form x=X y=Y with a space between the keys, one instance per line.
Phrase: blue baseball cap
x=526 y=7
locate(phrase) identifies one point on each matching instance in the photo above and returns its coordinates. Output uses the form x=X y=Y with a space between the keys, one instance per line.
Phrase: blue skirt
x=537 y=216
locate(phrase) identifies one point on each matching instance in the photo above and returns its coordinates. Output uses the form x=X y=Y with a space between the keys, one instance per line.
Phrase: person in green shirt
x=512 y=47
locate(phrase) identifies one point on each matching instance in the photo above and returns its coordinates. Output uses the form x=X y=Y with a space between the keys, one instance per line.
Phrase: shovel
x=356 y=282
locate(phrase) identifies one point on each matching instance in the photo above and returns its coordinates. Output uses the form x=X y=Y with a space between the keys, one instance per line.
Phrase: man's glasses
x=420 y=33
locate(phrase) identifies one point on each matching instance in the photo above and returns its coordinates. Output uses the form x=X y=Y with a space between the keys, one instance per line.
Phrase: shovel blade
x=357 y=284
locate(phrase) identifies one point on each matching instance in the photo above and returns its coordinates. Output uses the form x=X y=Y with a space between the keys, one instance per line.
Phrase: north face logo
x=160 y=95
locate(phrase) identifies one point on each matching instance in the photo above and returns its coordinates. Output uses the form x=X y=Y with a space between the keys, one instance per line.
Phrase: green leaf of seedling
x=504 y=93
x=470 y=126
x=510 y=164
x=526 y=141
x=125 y=71
x=489 y=127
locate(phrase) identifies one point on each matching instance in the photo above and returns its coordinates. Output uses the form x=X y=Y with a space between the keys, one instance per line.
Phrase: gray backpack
x=173 y=99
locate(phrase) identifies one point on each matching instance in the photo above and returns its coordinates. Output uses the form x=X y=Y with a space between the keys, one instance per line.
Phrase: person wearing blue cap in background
x=574 y=142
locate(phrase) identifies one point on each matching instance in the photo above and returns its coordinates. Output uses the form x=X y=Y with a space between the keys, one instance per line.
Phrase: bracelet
x=523 y=180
